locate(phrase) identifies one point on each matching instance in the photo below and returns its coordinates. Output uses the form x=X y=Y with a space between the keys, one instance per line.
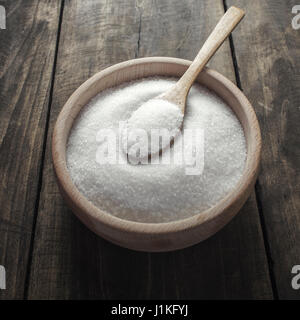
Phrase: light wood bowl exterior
x=155 y=237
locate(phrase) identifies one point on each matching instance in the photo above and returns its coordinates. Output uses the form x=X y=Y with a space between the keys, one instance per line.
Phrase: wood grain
x=69 y=261
x=269 y=74
x=26 y=61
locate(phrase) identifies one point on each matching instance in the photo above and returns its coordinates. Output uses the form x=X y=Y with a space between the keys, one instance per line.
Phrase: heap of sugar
x=155 y=114
x=156 y=192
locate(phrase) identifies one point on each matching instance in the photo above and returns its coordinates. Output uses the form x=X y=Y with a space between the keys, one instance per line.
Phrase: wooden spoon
x=178 y=93
x=157 y=113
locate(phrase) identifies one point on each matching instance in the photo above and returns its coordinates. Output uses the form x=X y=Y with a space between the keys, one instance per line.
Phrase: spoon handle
x=222 y=30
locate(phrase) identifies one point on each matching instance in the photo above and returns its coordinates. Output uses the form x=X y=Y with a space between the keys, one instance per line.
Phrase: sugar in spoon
x=166 y=111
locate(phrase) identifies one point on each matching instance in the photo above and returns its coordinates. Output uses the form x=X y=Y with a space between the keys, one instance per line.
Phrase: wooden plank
x=69 y=261
x=94 y=35
x=269 y=74
x=26 y=62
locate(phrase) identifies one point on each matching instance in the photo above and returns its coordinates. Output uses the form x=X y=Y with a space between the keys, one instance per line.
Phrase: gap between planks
x=257 y=197
x=40 y=178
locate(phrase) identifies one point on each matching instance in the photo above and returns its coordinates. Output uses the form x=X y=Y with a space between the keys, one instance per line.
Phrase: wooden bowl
x=156 y=236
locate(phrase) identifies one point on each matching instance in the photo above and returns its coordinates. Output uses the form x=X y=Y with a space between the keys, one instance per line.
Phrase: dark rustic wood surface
x=47 y=252
x=27 y=50
x=267 y=50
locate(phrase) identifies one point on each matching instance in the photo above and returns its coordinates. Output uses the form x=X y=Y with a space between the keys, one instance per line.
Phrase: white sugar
x=156 y=192
x=154 y=114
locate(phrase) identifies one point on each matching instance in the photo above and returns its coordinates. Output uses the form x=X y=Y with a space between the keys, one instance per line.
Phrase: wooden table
x=48 y=49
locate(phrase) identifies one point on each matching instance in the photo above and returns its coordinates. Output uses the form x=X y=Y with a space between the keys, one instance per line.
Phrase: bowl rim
x=111 y=221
